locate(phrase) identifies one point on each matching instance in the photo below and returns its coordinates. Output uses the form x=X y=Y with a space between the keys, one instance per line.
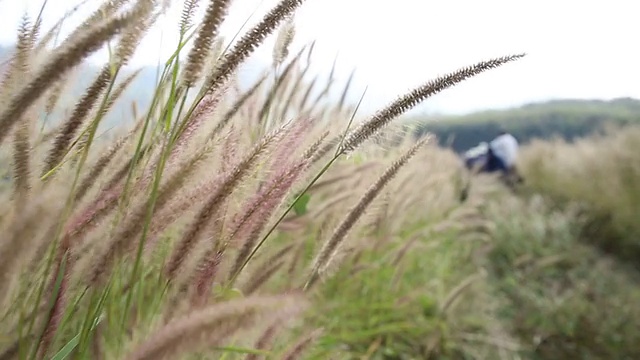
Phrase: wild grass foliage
x=220 y=215
x=560 y=297
x=601 y=174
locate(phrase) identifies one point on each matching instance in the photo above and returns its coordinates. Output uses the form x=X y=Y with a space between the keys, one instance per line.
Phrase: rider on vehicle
x=503 y=151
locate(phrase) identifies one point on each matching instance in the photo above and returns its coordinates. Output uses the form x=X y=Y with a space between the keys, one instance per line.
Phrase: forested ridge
x=568 y=119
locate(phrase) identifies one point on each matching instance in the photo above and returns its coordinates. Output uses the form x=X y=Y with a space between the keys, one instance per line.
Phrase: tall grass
x=559 y=296
x=219 y=217
x=600 y=173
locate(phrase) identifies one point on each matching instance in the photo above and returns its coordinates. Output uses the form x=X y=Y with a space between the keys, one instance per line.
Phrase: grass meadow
x=268 y=223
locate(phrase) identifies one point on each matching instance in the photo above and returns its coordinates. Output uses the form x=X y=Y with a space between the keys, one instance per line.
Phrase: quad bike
x=482 y=160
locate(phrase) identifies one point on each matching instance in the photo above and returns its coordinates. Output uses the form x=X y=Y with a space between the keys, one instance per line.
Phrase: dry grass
x=174 y=239
x=560 y=297
x=246 y=225
x=600 y=174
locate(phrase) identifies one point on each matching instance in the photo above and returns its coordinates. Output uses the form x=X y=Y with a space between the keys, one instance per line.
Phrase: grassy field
x=575 y=278
x=610 y=198
x=265 y=224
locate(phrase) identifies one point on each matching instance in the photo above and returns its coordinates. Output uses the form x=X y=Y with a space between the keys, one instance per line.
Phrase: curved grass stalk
x=317 y=177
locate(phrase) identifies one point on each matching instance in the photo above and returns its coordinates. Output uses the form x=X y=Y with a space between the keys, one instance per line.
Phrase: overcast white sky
x=576 y=48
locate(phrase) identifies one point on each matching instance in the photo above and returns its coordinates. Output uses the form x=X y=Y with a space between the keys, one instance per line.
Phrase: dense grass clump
x=561 y=297
x=223 y=222
x=600 y=174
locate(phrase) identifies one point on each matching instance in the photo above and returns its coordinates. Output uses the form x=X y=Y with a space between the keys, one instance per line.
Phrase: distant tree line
x=568 y=119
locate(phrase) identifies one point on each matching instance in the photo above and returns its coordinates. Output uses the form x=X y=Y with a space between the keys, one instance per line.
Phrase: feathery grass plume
x=225 y=187
x=217 y=49
x=330 y=203
x=295 y=259
x=326 y=148
x=105 y=201
x=202 y=113
x=237 y=106
x=108 y=9
x=248 y=226
x=343 y=97
x=108 y=196
x=310 y=152
x=215 y=14
x=18 y=62
x=209 y=326
x=280 y=83
x=193 y=197
x=74 y=122
x=84 y=137
x=131 y=163
x=295 y=352
x=208 y=268
x=188 y=11
x=279 y=188
x=230 y=149
x=328 y=250
x=133 y=35
x=37 y=26
x=21 y=146
x=191 y=123
x=305 y=97
x=261 y=277
x=291 y=143
x=59 y=286
x=283 y=41
x=83 y=221
x=259 y=210
x=380 y=222
x=250 y=41
x=264 y=271
x=64 y=60
x=118 y=91
x=197 y=118
x=177 y=208
x=125 y=49
x=417 y=95
x=291 y=95
x=455 y=293
x=408 y=245
x=121 y=241
x=327 y=87
x=54 y=31
x=22 y=162
x=54 y=96
x=17 y=240
x=206 y=274
x=263 y=341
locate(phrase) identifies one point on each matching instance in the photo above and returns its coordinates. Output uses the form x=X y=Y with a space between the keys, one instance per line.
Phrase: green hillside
x=568 y=119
